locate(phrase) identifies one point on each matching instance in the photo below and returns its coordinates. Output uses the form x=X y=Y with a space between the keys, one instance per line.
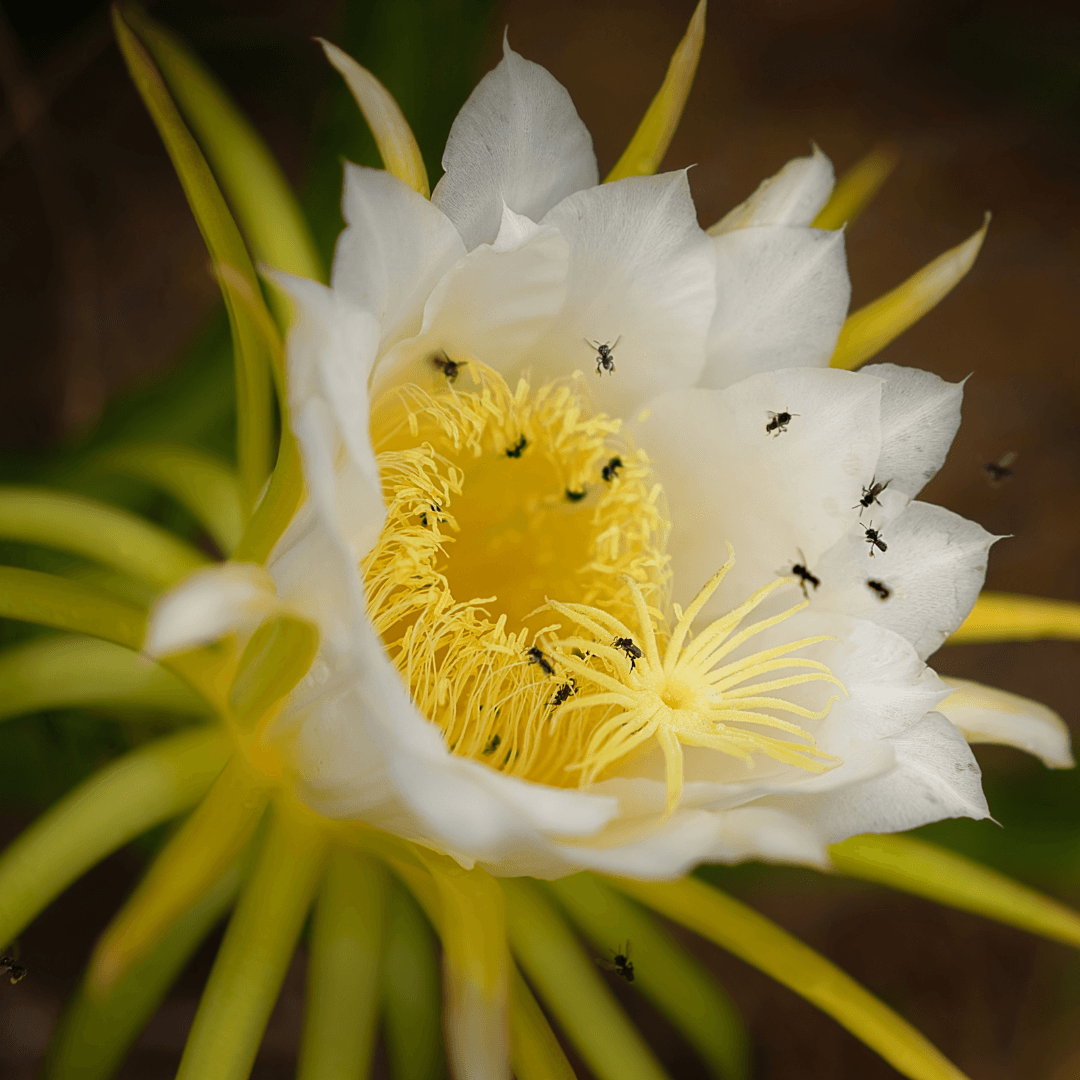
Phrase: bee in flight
x=620 y=963
x=779 y=422
x=604 y=360
x=997 y=472
x=870 y=495
x=15 y=971
x=804 y=575
x=450 y=368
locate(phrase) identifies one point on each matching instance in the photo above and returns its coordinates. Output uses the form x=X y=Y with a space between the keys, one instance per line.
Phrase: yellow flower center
x=501 y=505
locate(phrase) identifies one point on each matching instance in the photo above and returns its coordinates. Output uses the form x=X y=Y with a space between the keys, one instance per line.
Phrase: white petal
x=781 y=298
x=207 y=605
x=933 y=570
x=329 y=354
x=984 y=714
x=676 y=845
x=792 y=197
x=518 y=140
x=641 y=272
x=769 y=494
x=396 y=248
x=491 y=306
x=935 y=776
x=919 y=417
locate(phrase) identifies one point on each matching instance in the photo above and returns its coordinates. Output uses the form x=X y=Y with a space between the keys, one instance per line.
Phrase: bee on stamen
x=611 y=470
x=626 y=645
x=515 y=450
x=575 y=496
x=883 y=591
x=873 y=538
x=779 y=422
x=493 y=744
x=564 y=693
x=870 y=495
x=537 y=657
x=604 y=360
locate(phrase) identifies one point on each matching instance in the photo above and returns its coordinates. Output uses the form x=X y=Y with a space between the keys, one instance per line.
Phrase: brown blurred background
x=103 y=281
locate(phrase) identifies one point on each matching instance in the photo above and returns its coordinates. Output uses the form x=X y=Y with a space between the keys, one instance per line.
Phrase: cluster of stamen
x=633 y=688
x=499 y=499
x=469 y=643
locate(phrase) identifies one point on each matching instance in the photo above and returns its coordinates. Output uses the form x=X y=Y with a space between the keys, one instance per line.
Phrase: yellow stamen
x=498 y=499
x=681 y=697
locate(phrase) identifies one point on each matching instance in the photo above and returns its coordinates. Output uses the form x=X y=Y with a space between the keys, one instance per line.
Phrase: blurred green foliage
x=426 y=54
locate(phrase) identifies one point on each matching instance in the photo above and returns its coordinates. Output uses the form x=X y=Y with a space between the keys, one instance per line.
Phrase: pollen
x=499 y=499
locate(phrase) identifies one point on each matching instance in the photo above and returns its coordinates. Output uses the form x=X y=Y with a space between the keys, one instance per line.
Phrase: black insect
x=621 y=964
x=611 y=469
x=15 y=972
x=435 y=508
x=626 y=645
x=997 y=472
x=870 y=495
x=883 y=590
x=604 y=360
x=564 y=693
x=515 y=450
x=492 y=745
x=450 y=368
x=779 y=422
x=537 y=657
x=575 y=496
x=873 y=538
x=804 y=575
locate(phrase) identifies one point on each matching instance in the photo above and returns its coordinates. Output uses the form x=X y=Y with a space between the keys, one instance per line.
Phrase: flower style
x=603 y=558
x=587 y=521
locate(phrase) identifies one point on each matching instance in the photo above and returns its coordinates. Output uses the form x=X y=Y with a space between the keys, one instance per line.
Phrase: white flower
x=625 y=619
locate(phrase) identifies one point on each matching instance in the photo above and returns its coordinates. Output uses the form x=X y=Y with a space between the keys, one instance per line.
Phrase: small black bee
x=604 y=360
x=804 y=576
x=450 y=368
x=537 y=657
x=516 y=450
x=575 y=496
x=779 y=422
x=873 y=538
x=564 y=693
x=492 y=745
x=997 y=472
x=621 y=964
x=870 y=495
x=611 y=469
x=883 y=590
x=435 y=508
x=626 y=645
x=16 y=972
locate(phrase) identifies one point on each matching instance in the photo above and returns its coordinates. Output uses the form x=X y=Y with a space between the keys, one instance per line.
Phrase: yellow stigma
x=498 y=500
x=687 y=696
